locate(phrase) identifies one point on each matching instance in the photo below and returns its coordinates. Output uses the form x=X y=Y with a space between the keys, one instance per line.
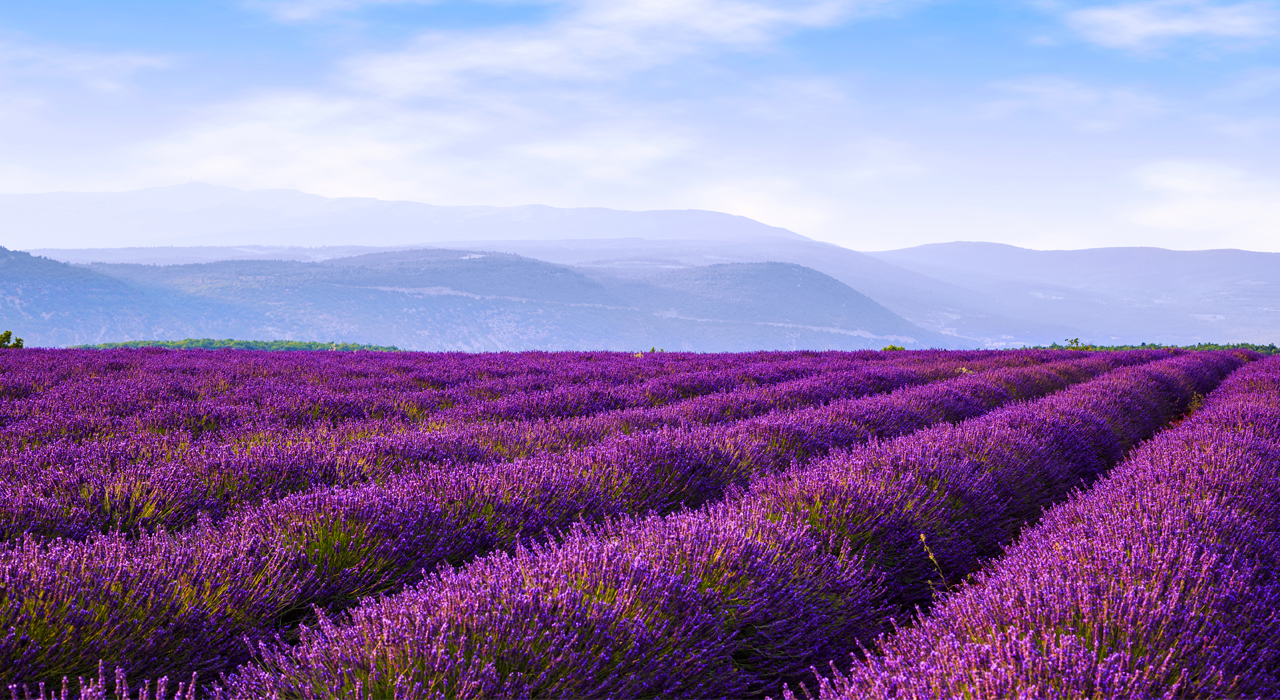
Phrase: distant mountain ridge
x=957 y=294
x=438 y=299
x=1114 y=294
x=198 y=214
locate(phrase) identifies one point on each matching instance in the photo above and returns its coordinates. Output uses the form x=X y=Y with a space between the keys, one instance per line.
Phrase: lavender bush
x=747 y=593
x=1159 y=582
x=156 y=602
x=153 y=446
x=540 y=524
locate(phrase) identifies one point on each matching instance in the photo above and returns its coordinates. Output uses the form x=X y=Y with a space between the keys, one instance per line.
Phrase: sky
x=874 y=124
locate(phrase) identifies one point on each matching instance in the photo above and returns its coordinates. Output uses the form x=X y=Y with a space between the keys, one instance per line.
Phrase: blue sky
x=873 y=124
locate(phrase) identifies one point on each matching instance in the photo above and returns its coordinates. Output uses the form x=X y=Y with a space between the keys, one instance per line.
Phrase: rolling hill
x=1117 y=294
x=618 y=263
x=440 y=299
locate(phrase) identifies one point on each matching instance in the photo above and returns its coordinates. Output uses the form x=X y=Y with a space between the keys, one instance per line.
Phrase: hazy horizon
x=871 y=124
x=95 y=237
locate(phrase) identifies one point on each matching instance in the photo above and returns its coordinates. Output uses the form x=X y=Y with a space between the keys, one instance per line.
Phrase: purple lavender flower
x=1159 y=581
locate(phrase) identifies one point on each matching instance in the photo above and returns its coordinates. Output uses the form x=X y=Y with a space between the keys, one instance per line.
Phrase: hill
x=229 y=344
x=197 y=214
x=59 y=304
x=440 y=299
x=974 y=294
x=1117 y=295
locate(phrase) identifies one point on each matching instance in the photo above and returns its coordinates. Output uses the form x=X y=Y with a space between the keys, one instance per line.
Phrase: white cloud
x=305 y=141
x=1204 y=204
x=1082 y=106
x=555 y=114
x=1144 y=25
x=595 y=41
x=627 y=105
x=1254 y=84
x=304 y=10
x=620 y=152
x=105 y=72
x=564 y=150
x=1243 y=128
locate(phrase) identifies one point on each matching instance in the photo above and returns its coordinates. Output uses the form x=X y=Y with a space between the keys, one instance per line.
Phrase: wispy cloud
x=1235 y=207
x=305 y=10
x=104 y=72
x=1146 y=25
x=1082 y=106
x=545 y=113
x=1254 y=84
x=594 y=40
x=767 y=108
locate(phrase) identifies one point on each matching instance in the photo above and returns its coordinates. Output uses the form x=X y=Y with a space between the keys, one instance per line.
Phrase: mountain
x=185 y=255
x=969 y=317
x=52 y=303
x=779 y=295
x=197 y=214
x=439 y=299
x=220 y=223
x=964 y=315
x=1117 y=295
x=956 y=294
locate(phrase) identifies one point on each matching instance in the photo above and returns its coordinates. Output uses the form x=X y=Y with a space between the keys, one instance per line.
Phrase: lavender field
x=903 y=524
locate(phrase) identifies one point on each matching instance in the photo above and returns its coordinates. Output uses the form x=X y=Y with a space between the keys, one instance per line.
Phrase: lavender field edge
x=1157 y=582
x=832 y=594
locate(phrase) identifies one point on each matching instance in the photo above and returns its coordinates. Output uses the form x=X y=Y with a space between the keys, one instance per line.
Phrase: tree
x=4 y=341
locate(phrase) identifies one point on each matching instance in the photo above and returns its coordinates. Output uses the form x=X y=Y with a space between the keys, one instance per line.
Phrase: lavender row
x=379 y=534
x=662 y=391
x=481 y=442
x=149 y=481
x=203 y=395
x=72 y=489
x=81 y=395
x=456 y=514
x=35 y=370
x=929 y=508
x=739 y=597
x=183 y=603
x=1157 y=583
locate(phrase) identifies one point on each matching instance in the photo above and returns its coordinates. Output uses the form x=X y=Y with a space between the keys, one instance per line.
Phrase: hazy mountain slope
x=756 y=299
x=264 y=224
x=770 y=292
x=51 y=303
x=197 y=214
x=987 y=294
x=932 y=304
x=464 y=300
x=1119 y=294
x=449 y=300
x=187 y=255
x=492 y=274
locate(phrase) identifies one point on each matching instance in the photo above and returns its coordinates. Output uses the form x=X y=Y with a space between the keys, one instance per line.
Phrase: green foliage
x=211 y=344
x=1074 y=344
x=892 y=347
x=5 y=344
